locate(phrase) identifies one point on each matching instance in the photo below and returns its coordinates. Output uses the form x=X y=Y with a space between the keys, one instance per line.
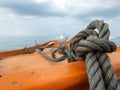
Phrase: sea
x=9 y=43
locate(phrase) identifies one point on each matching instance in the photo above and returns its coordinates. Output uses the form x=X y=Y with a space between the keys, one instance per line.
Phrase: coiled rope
x=92 y=46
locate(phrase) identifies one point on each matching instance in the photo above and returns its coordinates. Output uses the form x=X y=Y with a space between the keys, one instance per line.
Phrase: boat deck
x=34 y=72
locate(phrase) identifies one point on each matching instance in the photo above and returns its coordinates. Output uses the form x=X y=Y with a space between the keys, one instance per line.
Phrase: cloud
x=63 y=8
x=114 y=12
x=54 y=17
x=31 y=8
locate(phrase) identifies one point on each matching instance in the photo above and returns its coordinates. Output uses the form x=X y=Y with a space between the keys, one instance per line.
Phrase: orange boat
x=20 y=71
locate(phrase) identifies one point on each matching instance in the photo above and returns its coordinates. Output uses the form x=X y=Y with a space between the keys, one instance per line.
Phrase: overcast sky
x=55 y=17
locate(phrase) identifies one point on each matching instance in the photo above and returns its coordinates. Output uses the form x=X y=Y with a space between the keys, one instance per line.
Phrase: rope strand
x=93 y=47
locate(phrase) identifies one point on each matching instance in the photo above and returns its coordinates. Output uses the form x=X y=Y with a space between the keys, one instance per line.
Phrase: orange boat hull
x=34 y=72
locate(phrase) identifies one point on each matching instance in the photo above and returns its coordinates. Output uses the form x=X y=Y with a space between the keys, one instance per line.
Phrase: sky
x=55 y=17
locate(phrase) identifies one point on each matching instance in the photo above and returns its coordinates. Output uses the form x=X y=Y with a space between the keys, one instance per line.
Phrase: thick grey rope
x=92 y=46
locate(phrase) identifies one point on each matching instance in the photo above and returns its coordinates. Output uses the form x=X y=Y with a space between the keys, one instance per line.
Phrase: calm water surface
x=8 y=43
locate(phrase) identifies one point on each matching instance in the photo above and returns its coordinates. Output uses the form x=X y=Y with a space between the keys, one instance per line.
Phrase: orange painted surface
x=33 y=72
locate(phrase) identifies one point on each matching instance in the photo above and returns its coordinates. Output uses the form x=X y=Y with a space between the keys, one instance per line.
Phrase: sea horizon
x=19 y=42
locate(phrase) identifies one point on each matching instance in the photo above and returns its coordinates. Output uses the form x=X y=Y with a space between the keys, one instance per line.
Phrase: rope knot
x=89 y=40
x=93 y=43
